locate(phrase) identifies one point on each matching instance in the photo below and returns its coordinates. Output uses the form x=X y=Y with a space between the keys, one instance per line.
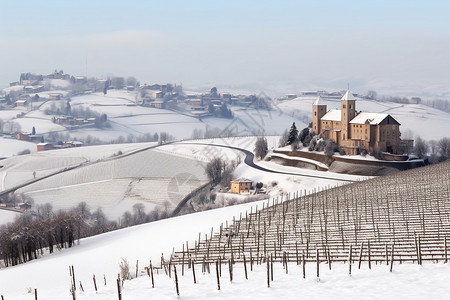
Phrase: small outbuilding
x=241 y=185
x=44 y=146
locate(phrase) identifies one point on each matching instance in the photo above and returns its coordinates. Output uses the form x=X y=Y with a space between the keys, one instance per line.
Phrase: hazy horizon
x=273 y=46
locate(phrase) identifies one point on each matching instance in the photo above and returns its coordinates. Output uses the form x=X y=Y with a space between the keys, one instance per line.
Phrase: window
x=343 y=106
x=315 y=113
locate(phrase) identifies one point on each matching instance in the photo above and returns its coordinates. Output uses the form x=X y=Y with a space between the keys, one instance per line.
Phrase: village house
x=353 y=131
x=158 y=104
x=157 y=95
x=28 y=137
x=241 y=186
x=21 y=103
x=23 y=136
x=33 y=89
x=290 y=96
x=415 y=100
x=55 y=96
x=44 y=146
x=226 y=96
x=58 y=75
x=71 y=144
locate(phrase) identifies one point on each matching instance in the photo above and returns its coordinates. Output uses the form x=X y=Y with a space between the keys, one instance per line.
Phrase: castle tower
x=347 y=114
x=318 y=111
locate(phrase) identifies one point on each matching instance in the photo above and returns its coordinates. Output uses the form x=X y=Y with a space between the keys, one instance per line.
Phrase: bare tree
x=127 y=219
x=444 y=147
x=284 y=139
x=215 y=169
x=165 y=137
x=261 y=147
x=118 y=82
x=197 y=134
x=420 y=147
x=139 y=213
x=131 y=81
x=372 y=94
x=83 y=211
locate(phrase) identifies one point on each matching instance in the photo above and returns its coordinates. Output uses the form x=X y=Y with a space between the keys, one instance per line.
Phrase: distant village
x=32 y=90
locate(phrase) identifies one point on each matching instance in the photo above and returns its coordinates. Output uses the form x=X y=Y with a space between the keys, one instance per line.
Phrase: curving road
x=249 y=156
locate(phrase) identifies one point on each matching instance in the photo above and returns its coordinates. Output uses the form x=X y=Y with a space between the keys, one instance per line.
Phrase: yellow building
x=241 y=185
x=353 y=131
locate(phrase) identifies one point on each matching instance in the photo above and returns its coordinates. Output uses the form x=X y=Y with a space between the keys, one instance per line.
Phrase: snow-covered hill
x=102 y=178
x=128 y=120
x=101 y=255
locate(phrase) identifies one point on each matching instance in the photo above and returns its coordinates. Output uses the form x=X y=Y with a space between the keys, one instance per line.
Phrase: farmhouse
x=157 y=95
x=241 y=185
x=158 y=104
x=44 y=146
x=353 y=131
x=72 y=144
x=23 y=136
x=21 y=103
x=34 y=89
x=55 y=96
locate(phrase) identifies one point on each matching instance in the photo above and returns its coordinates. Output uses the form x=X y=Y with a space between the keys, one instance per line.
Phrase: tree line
x=43 y=230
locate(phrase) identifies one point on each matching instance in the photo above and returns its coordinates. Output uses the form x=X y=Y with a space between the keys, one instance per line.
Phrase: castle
x=353 y=131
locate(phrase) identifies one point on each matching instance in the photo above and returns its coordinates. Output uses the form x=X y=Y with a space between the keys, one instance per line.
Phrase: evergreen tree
x=211 y=108
x=68 y=108
x=293 y=135
x=303 y=134
x=33 y=131
x=105 y=88
x=225 y=112
x=213 y=92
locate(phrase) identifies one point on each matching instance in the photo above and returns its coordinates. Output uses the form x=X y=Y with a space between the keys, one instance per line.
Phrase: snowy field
x=101 y=255
x=154 y=177
x=10 y=147
x=144 y=176
x=41 y=125
x=151 y=177
x=7 y=216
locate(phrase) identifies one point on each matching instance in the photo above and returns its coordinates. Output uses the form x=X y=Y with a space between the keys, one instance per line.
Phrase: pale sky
x=285 y=46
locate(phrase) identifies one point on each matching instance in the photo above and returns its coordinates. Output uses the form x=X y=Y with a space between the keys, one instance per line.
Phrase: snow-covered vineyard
x=290 y=248
x=393 y=219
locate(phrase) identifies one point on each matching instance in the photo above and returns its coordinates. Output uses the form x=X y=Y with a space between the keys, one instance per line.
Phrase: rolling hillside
x=405 y=210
